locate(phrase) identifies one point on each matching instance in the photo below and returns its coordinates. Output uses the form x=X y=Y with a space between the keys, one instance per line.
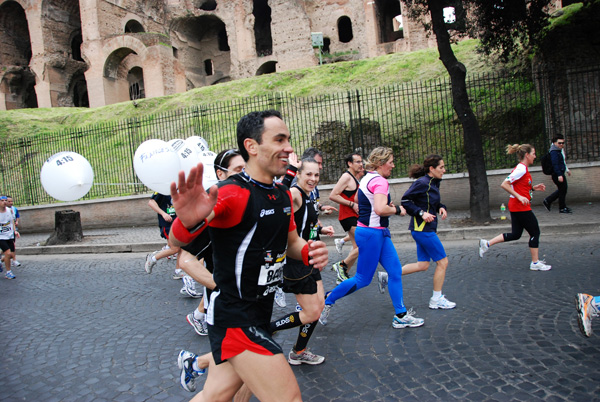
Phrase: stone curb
x=466 y=233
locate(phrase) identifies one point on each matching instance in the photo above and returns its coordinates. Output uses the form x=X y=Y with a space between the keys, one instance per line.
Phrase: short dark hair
x=223 y=159
x=252 y=126
x=311 y=152
x=558 y=137
x=350 y=158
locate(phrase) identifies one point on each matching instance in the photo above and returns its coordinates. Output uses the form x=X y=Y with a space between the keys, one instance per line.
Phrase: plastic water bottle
x=502 y=212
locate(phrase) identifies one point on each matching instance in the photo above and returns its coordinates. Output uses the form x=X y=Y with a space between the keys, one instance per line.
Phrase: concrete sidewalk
x=585 y=219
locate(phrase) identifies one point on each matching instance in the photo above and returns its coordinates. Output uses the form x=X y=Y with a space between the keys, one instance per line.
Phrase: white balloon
x=199 y=141
x=209 y=177
x=157 y=165
x=67 y=176
x=187 y=154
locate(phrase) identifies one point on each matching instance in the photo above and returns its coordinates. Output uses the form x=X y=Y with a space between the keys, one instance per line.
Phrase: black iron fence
x=414 y=119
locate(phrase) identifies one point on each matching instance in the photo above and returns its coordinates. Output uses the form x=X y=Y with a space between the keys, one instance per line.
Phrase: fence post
x=132 y=125
x=360 y=126
x=24 y=171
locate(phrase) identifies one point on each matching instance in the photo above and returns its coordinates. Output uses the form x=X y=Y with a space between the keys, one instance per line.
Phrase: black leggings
x=524 y=220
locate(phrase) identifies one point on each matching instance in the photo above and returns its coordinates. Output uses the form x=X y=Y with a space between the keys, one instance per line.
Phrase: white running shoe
x=178 y=274
x=149 y=262
x=189 y=285
x=325 y=314
x=382 y=281
x=199 y=325
x=483 y=247
x=280 y=297
x=15 y=263
x=339 y=244
x=442 y=303
x=409 y=320
x=539 y=266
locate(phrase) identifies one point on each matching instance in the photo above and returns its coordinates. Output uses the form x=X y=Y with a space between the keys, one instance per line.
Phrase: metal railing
x=415 y=119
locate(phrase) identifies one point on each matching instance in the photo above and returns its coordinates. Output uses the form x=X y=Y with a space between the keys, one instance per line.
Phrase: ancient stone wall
x=98 y=52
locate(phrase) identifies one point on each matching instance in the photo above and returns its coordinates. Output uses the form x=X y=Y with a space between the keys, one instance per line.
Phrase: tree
x=505 y=27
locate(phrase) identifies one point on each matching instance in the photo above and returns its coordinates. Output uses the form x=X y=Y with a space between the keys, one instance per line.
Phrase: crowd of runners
x=255 y=236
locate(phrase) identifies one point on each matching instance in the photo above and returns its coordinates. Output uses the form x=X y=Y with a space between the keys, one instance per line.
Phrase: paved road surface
x=98 y=328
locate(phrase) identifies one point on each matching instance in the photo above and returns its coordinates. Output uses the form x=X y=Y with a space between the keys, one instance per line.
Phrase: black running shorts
x=7 y=244
x=226 y=343
x=300 y=279
x=348 y=223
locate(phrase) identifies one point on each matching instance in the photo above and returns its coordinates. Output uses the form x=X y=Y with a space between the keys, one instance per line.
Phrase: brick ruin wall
x=97 y=52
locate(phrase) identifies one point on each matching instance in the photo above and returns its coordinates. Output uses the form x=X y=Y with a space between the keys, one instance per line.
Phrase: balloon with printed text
x=187 y=154
x=157 y=165
x=67 y=176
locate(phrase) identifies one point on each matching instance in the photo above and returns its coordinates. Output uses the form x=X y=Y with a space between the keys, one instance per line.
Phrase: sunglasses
x=561 y=143
x=225 y=155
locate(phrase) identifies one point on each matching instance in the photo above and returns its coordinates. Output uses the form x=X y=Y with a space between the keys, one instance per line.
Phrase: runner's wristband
x=398 y=210
x=305 y=254
x=184 y=235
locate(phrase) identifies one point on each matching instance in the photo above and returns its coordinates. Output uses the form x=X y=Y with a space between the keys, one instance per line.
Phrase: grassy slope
x=379 y=71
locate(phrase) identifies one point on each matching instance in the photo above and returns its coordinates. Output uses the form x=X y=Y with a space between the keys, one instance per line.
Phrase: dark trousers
x=560 y=193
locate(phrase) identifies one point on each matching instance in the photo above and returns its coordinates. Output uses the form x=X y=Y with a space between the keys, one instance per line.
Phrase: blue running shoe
x=10 y=275
x=187 y=377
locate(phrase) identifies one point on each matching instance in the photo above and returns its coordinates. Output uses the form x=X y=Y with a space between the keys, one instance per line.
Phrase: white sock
x=199 y=315
x=195 y=365
x=436 y=295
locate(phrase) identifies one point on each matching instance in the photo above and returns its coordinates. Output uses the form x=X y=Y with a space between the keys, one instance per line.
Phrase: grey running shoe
x=539 y=266
x=305 y=357
x=15 y=263
x=407 y=321
x=585 y=312
x=325 y=314
x=382 y=280
x=483 y=247
x=149 y=263
x=339 y=270
x=187 y=376
x=442 y=303
x=339 y=245
x=280 y=297
x=199 y=325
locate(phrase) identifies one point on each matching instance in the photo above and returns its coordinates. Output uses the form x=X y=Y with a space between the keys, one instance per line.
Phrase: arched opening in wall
x=76 y=42
x=344 y=25
x=79 y=91
x=326 y=45
x=267 y=68
x=18 y=87
x=208 y=67
x=201 y=39
x=135 y=79
x=15 y=45
x=134 y=26
x=222 y=38
x=389 y=20
x=206 y=5
x=262 y=28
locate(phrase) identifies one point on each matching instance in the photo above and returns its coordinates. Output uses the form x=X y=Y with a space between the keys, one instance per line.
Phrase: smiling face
x=269 y=159
x=385 y=170
x=308 y=176
x=438 y=171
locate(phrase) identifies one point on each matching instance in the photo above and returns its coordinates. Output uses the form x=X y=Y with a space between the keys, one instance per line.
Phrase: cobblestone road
x=98 y=328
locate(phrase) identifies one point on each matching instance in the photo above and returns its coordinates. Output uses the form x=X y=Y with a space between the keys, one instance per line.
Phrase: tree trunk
x=67 y=228
x=479 y=198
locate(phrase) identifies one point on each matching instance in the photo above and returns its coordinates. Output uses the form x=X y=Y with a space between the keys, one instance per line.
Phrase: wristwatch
x=421 y=212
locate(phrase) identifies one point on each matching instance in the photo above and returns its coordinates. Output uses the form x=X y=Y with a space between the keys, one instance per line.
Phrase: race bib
x=271 y=273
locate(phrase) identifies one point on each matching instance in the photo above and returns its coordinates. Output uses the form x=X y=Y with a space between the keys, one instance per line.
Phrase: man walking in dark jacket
x=559 y=175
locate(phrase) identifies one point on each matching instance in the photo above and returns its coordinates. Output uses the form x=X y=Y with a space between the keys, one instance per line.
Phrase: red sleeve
x=230 y=207
x=292 y=221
